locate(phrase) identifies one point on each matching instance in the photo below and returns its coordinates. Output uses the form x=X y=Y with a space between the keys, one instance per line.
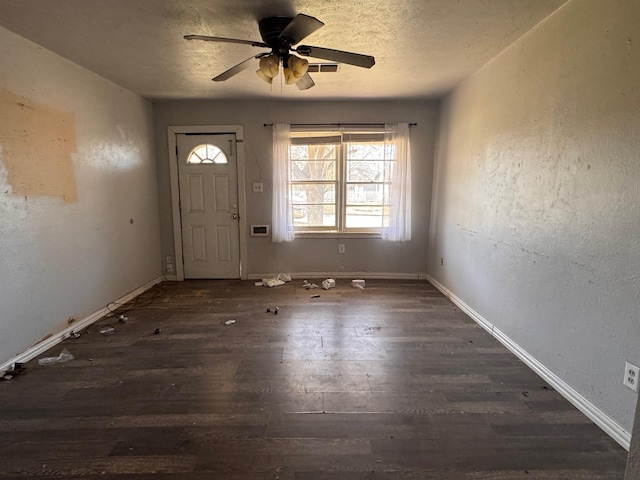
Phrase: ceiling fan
x=280 y=34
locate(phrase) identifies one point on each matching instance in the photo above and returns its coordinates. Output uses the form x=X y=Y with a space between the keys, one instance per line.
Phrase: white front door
x=208 y=179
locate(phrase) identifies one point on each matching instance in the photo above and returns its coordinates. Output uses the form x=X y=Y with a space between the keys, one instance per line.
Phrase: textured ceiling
x=422 y=47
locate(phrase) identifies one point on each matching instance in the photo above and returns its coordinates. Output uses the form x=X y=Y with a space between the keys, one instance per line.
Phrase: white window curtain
x=397 y=226
x=282 y=215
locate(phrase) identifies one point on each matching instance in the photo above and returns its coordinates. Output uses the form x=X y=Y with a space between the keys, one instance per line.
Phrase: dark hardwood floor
x=390 y=382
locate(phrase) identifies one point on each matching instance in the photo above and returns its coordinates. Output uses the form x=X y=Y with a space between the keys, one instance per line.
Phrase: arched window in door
x=206 y=153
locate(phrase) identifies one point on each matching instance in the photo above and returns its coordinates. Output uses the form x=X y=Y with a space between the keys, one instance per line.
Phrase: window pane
x=365 y=194
x=302 y=193
x=215 y=154
x=365 y=151
x=314 y=215
x=364 y=217
x=312 y=152
x=313 y=170
x=207 y=153
x=366 y=171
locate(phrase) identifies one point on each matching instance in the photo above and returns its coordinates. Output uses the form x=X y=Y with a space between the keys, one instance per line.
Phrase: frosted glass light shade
x=269 y=67
x=295 y=69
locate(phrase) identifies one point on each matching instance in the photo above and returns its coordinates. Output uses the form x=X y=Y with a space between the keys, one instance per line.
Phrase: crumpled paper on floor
x=279 y=279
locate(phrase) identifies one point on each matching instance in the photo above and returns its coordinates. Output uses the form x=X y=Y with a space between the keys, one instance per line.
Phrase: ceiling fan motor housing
x=270 y=30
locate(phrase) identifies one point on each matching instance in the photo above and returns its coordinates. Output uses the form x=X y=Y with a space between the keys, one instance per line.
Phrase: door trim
x=172 y=131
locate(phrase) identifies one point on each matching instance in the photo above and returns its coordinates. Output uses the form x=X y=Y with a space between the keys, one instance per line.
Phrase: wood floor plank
x=387 y=383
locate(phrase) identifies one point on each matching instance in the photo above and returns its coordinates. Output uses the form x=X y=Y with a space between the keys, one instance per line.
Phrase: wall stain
x=37 y=143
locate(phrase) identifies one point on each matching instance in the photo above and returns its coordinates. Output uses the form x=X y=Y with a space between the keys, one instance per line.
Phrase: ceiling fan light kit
x=296 y=68
x=269 y=67
x=280 y=34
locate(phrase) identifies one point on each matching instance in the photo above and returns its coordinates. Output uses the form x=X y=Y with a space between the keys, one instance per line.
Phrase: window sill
x=336 y=235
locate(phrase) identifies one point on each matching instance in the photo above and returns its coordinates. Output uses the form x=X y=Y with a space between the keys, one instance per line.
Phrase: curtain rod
x=337 y=124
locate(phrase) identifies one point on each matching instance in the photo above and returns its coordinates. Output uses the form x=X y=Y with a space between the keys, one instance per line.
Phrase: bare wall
x=307 y=255
x=537 y=198
x=78 y=193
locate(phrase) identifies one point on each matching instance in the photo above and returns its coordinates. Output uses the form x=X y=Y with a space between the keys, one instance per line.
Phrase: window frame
x=341 y=182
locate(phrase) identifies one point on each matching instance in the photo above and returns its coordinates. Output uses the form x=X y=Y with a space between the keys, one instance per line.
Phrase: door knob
x=234 y=216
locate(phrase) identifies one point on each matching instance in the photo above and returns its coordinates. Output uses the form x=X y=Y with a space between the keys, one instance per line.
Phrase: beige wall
x=536 y=200
x=308 y=255
x=76 y=166
x=633 y=461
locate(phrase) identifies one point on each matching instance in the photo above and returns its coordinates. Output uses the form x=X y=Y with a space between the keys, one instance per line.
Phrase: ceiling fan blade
x=237 y=69
x=300 y=27
x=357 y=59
x=305 y=82
x=206 y=38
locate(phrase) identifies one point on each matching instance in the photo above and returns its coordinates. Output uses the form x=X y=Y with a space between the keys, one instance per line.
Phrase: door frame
x=238 y=130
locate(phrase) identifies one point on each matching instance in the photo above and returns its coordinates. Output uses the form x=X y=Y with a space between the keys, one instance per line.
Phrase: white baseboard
x=351 y=275
x=56 y=338
x=596 y=415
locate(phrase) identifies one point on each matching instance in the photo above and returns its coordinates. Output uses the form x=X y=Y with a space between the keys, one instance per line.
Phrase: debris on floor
x=108 y=330
x=329 y=283
x=357 y=284
x=16 y=369
x=315 y=296
x=308 y=285
x=64 y=356
x=279 y=279
x=74 y=334
x=122 y=319
x=229 y=322
x=273 y=310
x=157 y=331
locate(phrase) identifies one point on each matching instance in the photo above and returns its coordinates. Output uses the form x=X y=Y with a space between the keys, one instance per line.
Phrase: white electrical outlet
x=258 y=187
x=341 y=248
x=631 y=376
x=169 y=268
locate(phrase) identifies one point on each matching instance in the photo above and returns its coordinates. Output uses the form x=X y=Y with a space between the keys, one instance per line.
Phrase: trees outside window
x=340 y=182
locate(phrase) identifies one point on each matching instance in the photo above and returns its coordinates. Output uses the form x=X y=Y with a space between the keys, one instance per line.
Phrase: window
x=337 y=182
x=206 y=153
x=340 y=182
